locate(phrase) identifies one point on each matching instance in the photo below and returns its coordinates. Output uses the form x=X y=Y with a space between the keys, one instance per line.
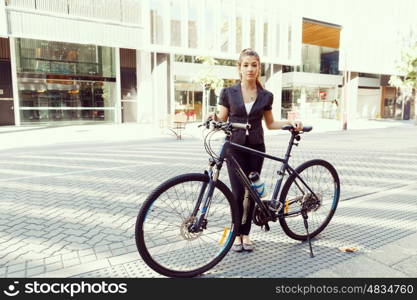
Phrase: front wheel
x=163 y=235
x=322 y=179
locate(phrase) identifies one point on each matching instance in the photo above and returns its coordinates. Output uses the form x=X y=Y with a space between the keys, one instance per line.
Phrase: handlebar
x=229 y=126
x=226 y=126
x=291 y=128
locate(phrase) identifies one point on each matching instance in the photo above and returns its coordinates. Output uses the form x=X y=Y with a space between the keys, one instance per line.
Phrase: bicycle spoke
x=320 y=181
x=166 y=236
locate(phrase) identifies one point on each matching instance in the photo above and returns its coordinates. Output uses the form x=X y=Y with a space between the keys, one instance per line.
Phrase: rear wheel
x=322 y=178
x=162 y=230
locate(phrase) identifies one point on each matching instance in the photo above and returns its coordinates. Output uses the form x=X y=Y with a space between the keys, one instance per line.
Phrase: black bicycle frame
x=285 y=167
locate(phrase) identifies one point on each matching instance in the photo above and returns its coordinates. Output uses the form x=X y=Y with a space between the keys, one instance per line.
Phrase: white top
x=249 y=106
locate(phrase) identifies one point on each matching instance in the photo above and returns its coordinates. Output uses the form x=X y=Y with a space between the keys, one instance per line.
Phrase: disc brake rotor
x=185 y=233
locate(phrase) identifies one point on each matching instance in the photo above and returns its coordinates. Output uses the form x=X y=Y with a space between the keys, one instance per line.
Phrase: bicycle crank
x=260 y=217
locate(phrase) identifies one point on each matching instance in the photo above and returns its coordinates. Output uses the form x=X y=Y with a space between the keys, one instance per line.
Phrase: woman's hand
x=298 y=125
x=212 y=116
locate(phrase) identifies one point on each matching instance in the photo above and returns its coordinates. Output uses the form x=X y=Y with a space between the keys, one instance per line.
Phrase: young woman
x=248 y=102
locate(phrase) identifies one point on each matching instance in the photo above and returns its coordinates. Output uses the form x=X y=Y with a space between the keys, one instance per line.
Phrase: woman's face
x=249 y=67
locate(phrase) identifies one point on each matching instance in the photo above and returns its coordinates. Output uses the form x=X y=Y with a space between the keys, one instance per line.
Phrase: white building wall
x=3 y=20
x=282 y=12
x=274 y=85
x=369 y=82
x=310 y=79
x=105 y=22
x=190 y=70
x=373 y=31
x=369 y=103
x=145 y=87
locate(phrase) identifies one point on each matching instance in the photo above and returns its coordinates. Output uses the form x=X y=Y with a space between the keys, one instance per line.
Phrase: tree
x=408 y=82
x=209 y=79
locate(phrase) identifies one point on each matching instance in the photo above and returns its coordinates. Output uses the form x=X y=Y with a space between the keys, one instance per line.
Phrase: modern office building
x=81 y=61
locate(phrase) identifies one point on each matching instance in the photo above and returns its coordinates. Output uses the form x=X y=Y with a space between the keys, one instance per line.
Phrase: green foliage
x=208 y=77
x=408 y=67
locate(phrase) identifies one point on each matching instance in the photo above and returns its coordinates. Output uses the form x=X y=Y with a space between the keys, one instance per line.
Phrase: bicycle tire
x=294 y=226
x=161 y=263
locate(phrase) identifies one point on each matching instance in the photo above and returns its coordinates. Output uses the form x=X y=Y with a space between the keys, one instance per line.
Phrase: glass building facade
x=60 y=82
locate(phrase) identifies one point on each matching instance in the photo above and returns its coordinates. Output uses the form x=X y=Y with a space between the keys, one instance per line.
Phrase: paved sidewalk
x=381 y=226
x=69 y=204
x=35 y=136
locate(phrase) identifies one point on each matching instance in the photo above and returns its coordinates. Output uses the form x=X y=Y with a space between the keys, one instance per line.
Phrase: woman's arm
x=272 y=124
x=223 y=114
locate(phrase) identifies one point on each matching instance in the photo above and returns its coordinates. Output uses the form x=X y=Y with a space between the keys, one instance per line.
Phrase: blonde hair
x=250 y=52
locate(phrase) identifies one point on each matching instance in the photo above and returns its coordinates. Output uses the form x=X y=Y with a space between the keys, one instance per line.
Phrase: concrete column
x=273 y=84
x=117 y=101
x=16 y=100
x=145 y=87
x=161 y=94
x=353 y=86
x=349 y=98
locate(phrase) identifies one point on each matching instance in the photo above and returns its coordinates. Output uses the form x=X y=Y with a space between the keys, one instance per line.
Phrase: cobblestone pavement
x=69 y=210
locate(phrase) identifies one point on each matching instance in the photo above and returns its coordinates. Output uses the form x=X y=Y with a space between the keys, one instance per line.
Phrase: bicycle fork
x=205 y=195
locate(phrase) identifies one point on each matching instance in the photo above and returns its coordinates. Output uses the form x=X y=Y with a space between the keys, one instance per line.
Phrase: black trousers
x=249 y=163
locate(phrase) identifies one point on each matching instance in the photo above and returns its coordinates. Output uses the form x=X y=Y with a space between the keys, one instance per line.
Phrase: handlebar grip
x=241 y=125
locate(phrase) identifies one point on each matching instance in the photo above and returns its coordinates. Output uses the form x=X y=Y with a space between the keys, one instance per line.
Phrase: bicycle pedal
x=265 y=227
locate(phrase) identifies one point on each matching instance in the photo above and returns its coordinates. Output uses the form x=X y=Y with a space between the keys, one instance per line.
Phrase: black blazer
x=232 y=99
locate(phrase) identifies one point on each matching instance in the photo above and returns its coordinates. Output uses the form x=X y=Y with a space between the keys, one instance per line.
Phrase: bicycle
x=188 y=223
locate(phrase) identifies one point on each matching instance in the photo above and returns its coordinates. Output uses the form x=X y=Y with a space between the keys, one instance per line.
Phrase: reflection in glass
x=37 y=56
x=316 y=59
x=65 y=81
x=76 y=100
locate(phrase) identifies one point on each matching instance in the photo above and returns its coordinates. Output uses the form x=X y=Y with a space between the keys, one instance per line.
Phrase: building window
x=65 y=82
x=252 y=32
x=175 y=23
x=224 y=27
x=317 y=59
x=289 y=41
x=278 y=44
x=239 y=30
x=128 y=82
x=210 y=25
x=156 y=12
x=265 y=45
x=193 y=7
x=188 y=99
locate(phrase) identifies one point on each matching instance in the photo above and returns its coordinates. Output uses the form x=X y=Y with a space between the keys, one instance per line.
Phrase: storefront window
x=310 y=102
x=65 y=82
x=188 y=100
